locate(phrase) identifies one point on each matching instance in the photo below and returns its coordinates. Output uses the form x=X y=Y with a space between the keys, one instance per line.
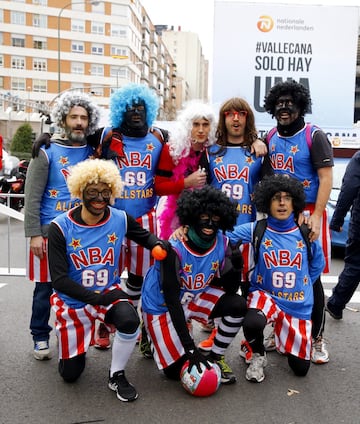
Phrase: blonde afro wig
x=94 y=171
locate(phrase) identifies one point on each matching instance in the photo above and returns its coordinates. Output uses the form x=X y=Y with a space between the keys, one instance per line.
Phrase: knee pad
x=254 y=320
x=71 y=369
x=124 y=316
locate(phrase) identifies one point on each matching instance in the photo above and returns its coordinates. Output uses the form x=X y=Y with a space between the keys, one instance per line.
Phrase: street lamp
x=94 y=3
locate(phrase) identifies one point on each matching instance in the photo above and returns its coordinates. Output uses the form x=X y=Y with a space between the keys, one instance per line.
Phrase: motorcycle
x=14 y=184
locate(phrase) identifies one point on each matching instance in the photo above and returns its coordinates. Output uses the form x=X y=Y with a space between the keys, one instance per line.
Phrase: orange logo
x=265 y=23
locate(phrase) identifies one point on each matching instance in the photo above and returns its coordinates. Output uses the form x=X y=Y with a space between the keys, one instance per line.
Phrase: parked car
x=9 y=163
x=338 y=239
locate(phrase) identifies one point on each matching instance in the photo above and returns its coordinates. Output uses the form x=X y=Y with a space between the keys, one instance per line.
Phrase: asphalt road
x=32 y=392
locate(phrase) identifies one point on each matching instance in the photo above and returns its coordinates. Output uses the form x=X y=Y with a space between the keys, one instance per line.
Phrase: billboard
x=258 y=44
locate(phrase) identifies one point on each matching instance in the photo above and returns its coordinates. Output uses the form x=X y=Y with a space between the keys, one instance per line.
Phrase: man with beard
x=47 y=196
x=135 y=146
x=304 y=152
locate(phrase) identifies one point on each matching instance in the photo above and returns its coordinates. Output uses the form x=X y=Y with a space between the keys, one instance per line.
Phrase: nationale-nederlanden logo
x=265 y=23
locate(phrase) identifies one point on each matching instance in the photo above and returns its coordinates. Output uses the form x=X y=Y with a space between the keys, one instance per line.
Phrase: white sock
x=122 y=348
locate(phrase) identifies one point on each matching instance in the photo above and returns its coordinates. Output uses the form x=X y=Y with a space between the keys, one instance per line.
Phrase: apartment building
x=49 y=46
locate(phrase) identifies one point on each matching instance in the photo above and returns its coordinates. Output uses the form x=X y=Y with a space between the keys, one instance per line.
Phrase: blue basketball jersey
x=283 y=269
x=195 y=274
x=235 y=172
x=93 y=251
x=137 y=169
x=291 y=156
x=56 y=196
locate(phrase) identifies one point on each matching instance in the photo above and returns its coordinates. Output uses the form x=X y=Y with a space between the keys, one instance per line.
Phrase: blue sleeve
x=241 y=233
x=318 y=261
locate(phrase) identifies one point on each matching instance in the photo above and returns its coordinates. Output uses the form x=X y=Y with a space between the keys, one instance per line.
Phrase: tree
x=21 y=144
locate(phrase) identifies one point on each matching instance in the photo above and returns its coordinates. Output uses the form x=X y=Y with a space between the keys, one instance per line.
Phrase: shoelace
x=42 y=345
x=318 y=344
x=224 y=366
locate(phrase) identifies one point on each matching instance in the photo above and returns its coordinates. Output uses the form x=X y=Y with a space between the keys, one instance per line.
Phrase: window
x=118 y=30
x=18 y=84
x=40 y=2
x=77 y=25
x=1 y=15
x=118 y=51
x=40 y=43
x=77 y=47
x=1 y=61
x=39 y=64
x=97 y=49
x=97 y=91
x=18 y=62
x=39 y=86
x=97 y=70
x=39 y=21
x=119 y=10
x=98 y=8
x=97 y=28
x=77 y=68
x=18 y=40
x=119 y=71
x=17 y=18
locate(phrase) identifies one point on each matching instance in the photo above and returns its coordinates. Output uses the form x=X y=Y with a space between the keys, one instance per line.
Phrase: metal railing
x=15 y=242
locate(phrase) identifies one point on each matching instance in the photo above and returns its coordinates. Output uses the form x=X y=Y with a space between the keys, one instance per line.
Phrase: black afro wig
x=271 y=185
x=297 y=91
x=192 y=203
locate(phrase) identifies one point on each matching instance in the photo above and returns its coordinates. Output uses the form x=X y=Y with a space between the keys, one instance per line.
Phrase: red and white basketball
x=201 y=384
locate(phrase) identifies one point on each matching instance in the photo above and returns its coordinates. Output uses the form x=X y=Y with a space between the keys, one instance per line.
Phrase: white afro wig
x=67 y=101
x=93 y=171
x=180 y=138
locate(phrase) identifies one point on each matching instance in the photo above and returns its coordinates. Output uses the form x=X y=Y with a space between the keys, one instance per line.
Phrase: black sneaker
x=124 y=390
x=335 y=313
x=227 y=376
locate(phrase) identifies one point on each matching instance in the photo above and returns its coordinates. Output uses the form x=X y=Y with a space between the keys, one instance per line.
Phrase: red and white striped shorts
x=292 y=335
x=135 y=258
x=75 y=328
x=38 y=269
x=165 y=340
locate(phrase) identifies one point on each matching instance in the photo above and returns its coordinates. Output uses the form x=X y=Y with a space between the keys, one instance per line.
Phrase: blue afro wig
x=129 y=95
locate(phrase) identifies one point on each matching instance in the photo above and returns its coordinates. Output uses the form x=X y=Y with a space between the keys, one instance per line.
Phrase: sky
x=198 y=15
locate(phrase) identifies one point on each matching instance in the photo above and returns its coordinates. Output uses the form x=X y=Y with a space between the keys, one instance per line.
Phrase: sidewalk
x=32 y=391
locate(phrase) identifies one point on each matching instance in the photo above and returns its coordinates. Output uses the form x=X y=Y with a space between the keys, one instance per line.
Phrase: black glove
x=166 y=245
x=196 y=359
x=111 y=296
x=42 y=140
x=236 y=257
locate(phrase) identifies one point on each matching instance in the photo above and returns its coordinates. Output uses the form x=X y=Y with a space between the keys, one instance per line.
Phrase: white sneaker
x=319 y=353
x=269 y=342
x=42 y=350
x=255 y=371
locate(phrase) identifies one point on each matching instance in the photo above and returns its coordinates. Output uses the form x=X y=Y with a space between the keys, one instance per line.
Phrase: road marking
x=333 y=279
x=2 y=285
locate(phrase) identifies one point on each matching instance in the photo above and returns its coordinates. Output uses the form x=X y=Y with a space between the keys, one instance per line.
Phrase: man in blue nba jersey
x=281 y=284
x=84 y=250
x=197 y=281
x=304 y=152
x=47 y=195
